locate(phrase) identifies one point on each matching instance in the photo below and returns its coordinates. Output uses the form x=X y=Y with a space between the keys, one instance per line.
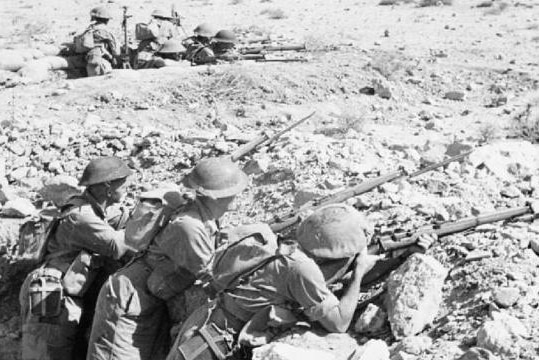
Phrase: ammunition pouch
x=208 y=343
x=166 y=283
x=45 y=293
x=80 y=274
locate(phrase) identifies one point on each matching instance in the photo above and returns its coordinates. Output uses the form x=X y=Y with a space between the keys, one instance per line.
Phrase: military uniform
x=131 y=315
x=99 y=60
x=84 y=227
x=161 y=31
x=292 y=283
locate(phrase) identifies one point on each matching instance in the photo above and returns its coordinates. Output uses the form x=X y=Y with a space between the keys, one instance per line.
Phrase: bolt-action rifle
x=265 y=139
x=124 y=53
x=408 y=239
x=271 y=48
x=264 y=58
x=359 y=189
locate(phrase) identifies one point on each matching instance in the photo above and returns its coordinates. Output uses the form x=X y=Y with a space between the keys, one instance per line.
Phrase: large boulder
x=414 y=294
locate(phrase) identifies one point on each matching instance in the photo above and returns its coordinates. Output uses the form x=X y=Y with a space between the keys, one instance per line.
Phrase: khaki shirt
x=292 y=281
x=187 y=242
x=84 y=228
x=161 y=31
x=104 y=37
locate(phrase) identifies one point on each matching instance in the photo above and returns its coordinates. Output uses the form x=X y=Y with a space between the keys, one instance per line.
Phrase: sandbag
x=38 y=70
x=11 y=60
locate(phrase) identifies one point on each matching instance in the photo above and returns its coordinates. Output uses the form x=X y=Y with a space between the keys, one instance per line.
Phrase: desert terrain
x=394 y=85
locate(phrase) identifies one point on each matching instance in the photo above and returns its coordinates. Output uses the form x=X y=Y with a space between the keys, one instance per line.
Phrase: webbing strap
x=203 y=331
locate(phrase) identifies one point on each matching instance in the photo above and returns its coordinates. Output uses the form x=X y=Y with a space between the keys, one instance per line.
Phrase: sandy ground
x=418 y=53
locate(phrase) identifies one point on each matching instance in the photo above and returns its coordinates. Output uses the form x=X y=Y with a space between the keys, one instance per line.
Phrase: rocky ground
x=392 y=86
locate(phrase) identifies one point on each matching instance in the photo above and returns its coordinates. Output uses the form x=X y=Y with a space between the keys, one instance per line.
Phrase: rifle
x=263 y=58
x=265 y=139
x=359 y=189
x=408 y=239
x=124 y=54
x=271 y=48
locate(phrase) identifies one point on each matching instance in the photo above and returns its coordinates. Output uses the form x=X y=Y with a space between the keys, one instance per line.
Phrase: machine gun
x=408 y=239
x=265 y=139
x=124 y=53
x=359 y=189
x=271 y=48
x=175 y=18
x=264 y=58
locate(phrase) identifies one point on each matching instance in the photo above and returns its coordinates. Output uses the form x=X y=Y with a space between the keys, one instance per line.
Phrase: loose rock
x=477 y=353
x=280 y=351
x=501 y=335
x=414 y=294
x=506 y=297
x=18 y=208
x=371 y=321
x=373 y=350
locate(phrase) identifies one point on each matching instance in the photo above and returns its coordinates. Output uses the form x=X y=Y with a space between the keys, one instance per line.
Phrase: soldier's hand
x=426 y=240
x=365 y=262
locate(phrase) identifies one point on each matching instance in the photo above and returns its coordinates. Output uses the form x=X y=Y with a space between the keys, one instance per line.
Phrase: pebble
x=506 y=297
x=454 y=95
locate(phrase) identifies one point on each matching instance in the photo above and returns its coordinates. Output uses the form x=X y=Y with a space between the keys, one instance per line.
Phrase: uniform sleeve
x=189 y=245
x=307 y=286
x=88 y=231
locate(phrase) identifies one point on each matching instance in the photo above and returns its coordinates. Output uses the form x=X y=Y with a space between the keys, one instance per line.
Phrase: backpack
x=146 y=31
x=151 y=214
x=35 y=233
x=249 y=248
x=84 y=42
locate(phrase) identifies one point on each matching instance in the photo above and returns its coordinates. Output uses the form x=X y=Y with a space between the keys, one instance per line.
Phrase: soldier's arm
x=95 y=235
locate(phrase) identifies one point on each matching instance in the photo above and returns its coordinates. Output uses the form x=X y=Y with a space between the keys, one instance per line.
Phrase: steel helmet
x=205 y=30
x=171 y=46
x=225 y=36
x=333 y=235
x=101 y=12
x=160 y=13
x=216 y=178
x=104 y=169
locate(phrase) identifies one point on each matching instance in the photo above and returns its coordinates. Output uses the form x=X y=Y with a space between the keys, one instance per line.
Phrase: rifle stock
x=408 y=238
x=264 y=139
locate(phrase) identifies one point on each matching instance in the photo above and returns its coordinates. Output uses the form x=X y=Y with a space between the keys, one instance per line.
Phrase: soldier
x=291 y=286
x=198 y=46
x=56 y=297
x=131 y=315
x=101 y=57
x=224 y=46
x=157 y=32
x=169 y=54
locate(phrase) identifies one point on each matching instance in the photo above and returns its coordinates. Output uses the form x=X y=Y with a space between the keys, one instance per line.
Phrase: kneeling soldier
x=131 y=319
x=56 y=297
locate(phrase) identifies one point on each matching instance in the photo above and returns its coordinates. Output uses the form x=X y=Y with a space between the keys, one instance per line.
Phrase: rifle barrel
x=271 y=48
x=264 y=139
x=440 y=164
